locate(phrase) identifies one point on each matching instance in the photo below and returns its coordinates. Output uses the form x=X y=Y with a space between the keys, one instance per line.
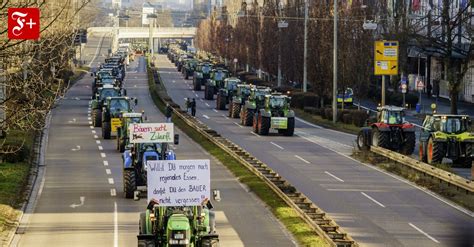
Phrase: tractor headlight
x=173 y=241
x=184 y=241
x=178 y=236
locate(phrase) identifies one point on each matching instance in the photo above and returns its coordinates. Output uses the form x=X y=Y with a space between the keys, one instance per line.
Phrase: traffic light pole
x=334 y=82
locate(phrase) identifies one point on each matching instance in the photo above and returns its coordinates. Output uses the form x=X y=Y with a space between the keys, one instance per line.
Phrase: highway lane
x=81 y=203
x=374 y=207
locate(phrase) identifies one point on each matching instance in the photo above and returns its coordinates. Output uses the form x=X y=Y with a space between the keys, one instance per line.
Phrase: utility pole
x=279 y=46
x=305 y=53
x=334 y=86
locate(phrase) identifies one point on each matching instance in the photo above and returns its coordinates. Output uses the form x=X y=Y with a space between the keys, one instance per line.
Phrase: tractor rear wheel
x=421 y=153
x=97 y=118
x=197 y=84
x=290 y=130
x=122 y=146
x=106 y=129
x=210 y=242
x=263 y=125
x=129 y=183
x=435 y=152
x=235 y=110
x=208 y=93
x=186 y=75
x=220 y=102
x=247 y=117
x=409 y=146
x=255 y=123
x=146 y=243
x=463 y=162
x=380 y=138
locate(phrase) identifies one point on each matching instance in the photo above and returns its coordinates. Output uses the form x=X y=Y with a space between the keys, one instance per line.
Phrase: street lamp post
x=305 y=53
x=334 y=82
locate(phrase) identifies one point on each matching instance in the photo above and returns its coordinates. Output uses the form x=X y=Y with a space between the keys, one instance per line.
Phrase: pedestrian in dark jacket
x=193 y=107
x=168 y=113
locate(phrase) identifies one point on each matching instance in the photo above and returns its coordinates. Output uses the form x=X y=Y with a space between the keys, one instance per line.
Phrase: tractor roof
x=390 y=108
x=233 y=79
x=107 y=86
x=131 y=114
x=118 y=97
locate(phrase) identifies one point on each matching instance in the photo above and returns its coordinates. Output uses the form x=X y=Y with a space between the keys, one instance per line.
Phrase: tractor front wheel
x=106 y=129
x=435 y=152
x=290 y=130
x=362 y=142
x=380 y=138
x=234 y=110
x=210 y=242
x=409 y=146
x=197 y=84
x=247 y=117
x=208 y=93
x=129 y=183
x=421 y=153
x=97 y=117
x=263 y=125
x=255 y=123
x=220 y=102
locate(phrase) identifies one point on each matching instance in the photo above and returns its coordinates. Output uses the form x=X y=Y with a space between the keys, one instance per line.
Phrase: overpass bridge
x=144 y=32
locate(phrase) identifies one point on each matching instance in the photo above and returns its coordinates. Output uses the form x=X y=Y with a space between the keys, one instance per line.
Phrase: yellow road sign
x=386 y=68
x=115 y=123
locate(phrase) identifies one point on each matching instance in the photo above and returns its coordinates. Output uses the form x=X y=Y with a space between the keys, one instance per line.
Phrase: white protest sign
x=179 y=182
x=151 y=133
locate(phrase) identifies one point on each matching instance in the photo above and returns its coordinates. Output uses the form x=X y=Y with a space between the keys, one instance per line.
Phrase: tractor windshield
x=119 y=105
x=277 y=102
x=231 y=85
x=108 y=92
x=393 y=117
x=219 y=76
x=131 y=120
x=453 y=125
x=206 y=69
x=108 y=81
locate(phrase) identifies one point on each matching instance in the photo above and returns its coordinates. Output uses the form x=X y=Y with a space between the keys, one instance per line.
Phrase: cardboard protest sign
x=151 y=133
x=179 y=182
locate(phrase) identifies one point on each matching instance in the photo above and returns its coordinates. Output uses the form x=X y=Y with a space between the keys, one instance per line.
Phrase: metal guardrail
x=425 y=168
x=326 y=227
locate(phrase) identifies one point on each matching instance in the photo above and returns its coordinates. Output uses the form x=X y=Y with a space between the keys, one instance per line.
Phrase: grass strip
x=326 y=123
x=301 y=231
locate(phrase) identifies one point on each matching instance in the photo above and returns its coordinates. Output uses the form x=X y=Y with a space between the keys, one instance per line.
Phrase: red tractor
x=390 y=131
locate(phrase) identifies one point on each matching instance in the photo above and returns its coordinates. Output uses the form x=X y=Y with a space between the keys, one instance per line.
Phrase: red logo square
x=23 y=23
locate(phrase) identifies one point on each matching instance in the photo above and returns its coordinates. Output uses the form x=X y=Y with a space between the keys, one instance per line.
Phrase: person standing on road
x=188 y=104
x=193 y=107
x=168 y=113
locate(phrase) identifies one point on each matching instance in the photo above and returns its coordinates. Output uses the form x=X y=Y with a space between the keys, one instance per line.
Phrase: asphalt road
x=376 y=208
x=80 y=201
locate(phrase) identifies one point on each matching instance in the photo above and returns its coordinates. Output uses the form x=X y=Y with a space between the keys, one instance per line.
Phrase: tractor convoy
x=441 y=136
x=142 y=145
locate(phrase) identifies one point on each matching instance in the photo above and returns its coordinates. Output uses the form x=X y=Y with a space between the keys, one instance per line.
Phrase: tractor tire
x=380 y=139
x=234 y=109
x=247 y=118
x=146 y=243
x=196 y=84
x=121 y=147
x=255 y=123
x=220 y=102
x=435 y=152
x=186 y=76
x=409 y=146
x=117 y=146
x=210 y=242
x=208 y=93
x=422 y=153
x=106 y=129
x=362 y=142
x=97 y=118
x=142 y=223
x=264 y=125
x=290 y=130
x=129 y=183
x=463 y=163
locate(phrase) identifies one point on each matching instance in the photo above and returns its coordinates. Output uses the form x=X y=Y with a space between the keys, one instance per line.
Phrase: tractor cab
x=108 y=91
x=277 y=104
x=391 y=115
x=117 y=105
x=450 y=124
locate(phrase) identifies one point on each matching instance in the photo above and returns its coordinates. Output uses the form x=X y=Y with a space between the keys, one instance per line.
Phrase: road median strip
x=301 y=216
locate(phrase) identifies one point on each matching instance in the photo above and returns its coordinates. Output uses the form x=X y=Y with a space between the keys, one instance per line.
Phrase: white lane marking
x=253 y=133
x=207 y=104
x=72 y=121
x=115 y=225
x=205 y=116
x=173 y=81
x=77 y=148
x=93 y=132
x=214 y=110
x=91 y=127
x=238 y=125
x=196 y=95
x=100 y=148
x=372 y=199
x=194 y=91
x=424 y=233
x=305 y=161
x=111 y=181
x=89 y=111
x=88 y=114
x=90 y=122
x=274 y=144
x=82 y=199
x=102 y=155
x=108 y=171
x=96 y=137
x=113 y=192
x=201 y=100
x=106 y=163
x=97 y=141
x=89 y=118
x=332 y=175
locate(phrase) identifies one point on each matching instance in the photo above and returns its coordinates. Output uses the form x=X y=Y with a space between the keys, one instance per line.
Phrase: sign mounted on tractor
x=151 y=133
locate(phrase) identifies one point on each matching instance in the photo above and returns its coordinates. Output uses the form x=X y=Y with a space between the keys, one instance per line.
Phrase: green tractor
x=98 y=100
x=112 y=109
x=276 y=114
x=201 y=75
x=447 y=136
x=123 y=134
x=186 y=226
x=215 y=83
x=254 y=103
x=189 y=67
x=226 y=93
x=239 y=99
